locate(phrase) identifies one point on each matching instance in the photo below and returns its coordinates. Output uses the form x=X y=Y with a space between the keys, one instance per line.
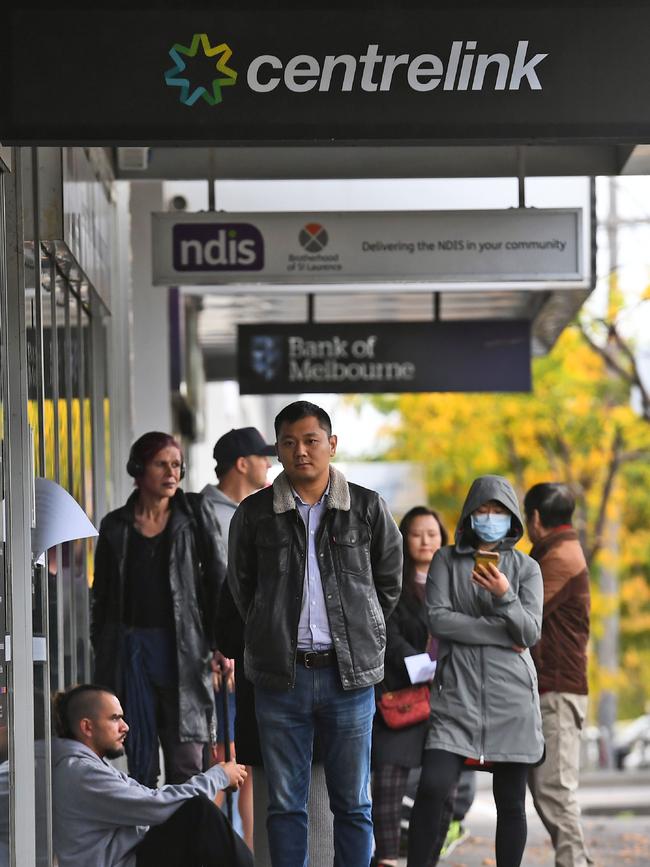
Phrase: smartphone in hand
x=484 y=558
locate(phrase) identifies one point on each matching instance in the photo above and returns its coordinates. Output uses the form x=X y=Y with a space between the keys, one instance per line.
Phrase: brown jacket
x=561 y=654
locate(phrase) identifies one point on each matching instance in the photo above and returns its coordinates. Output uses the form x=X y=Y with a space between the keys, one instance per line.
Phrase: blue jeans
x=342 y=721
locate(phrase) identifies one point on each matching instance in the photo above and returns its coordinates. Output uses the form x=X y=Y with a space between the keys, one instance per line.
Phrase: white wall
x=151 y=392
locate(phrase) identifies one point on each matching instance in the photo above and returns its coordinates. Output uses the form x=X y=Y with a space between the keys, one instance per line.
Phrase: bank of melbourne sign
x=284 y=73
x=384 y=357
x=517 y=248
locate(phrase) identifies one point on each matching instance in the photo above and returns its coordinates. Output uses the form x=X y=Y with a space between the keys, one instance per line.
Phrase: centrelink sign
x=462 y=68
x=267 y=72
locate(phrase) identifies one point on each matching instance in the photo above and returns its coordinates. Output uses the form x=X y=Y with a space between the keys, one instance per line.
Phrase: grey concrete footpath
x=616 y=819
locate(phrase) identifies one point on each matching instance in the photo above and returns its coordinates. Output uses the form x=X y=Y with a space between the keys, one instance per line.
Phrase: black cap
x=239 y=443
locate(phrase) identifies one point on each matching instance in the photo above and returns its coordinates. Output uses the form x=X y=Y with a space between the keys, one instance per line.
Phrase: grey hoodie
x=484 y=702
x=223 y=506
x=100 y=814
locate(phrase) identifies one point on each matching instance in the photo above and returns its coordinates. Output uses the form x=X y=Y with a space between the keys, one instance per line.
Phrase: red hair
x=146 y=447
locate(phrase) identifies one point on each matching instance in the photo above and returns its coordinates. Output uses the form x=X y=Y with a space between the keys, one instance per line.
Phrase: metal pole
x=38 y=306
x=212 y=204
x=42 y=706
x=608 y=643
x=226 y=740
x=521 y=175
x=18 y=486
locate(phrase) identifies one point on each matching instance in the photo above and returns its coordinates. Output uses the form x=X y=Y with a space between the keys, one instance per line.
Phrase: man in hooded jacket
x=484 y=701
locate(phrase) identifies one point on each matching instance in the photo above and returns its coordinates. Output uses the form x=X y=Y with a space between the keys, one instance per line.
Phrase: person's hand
x=518 y=649
x=222 y=668
x=490 y=579
x=236 y=775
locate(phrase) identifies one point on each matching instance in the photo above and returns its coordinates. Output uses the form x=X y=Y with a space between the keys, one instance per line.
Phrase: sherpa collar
x=338 y=497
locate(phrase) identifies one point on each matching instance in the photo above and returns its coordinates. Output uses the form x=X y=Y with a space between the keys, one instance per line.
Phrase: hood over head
x=483 y=489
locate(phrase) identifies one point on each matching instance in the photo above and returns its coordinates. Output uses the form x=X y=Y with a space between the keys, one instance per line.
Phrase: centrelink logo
x=463 y=68
x=175 y=77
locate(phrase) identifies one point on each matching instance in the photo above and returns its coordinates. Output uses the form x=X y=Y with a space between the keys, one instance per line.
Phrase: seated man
x=103 y=818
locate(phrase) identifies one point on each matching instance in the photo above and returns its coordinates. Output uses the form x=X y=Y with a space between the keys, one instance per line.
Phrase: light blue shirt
x=313 y=627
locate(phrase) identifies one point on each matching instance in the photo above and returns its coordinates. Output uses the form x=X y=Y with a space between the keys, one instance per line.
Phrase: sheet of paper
x=59 y=518
x=420 y=667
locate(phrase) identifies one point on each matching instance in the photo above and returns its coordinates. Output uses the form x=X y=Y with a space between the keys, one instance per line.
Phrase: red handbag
x=404 y=707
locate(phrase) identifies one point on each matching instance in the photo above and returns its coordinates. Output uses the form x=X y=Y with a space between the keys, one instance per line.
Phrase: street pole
x=608 y=645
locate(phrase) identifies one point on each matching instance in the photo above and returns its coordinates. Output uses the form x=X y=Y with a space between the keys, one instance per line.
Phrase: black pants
x=196 y=835
x=440 y=772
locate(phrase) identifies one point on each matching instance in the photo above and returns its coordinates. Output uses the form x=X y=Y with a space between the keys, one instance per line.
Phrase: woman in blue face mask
x=484 y=701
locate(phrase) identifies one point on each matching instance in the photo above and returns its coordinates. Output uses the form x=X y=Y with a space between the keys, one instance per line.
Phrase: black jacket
x=197 y=568
x=360 y=557
x=407 y=635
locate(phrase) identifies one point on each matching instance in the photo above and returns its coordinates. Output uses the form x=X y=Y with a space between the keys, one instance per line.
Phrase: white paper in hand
x=420 y=667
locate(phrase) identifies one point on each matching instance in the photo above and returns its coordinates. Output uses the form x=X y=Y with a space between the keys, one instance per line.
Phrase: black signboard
x=288 y=72
x=384 y=357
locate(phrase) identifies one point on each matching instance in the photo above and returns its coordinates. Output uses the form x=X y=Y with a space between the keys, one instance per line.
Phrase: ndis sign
x=514 y=247
x=215 y=247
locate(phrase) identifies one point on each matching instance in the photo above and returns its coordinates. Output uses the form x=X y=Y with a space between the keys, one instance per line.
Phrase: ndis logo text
x=217 y=247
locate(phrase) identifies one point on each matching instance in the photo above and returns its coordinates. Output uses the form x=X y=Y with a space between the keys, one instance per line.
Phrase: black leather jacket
x=195 y=592
x=360 y=557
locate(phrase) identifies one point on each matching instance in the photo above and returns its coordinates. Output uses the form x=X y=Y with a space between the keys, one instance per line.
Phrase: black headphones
x=135 y=467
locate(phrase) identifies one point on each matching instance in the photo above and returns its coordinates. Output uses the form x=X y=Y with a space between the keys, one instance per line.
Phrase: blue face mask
x=490 y=527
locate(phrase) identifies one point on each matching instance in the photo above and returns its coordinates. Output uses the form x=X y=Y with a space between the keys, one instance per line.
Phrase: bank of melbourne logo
x=313 y=237
x=266 y=356
x=176 y=77
x=217 y=247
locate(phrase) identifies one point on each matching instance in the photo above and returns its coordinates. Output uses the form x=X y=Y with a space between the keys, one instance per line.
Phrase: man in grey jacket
x=103 y=818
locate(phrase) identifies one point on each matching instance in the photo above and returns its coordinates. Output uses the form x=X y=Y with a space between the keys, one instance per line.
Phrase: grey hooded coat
x=484 y=700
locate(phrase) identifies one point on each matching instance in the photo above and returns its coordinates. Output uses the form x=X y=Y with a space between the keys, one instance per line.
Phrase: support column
x=18 y=491
x=151 y=391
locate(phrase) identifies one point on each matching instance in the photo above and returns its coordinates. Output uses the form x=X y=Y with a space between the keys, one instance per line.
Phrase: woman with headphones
x=159 y=565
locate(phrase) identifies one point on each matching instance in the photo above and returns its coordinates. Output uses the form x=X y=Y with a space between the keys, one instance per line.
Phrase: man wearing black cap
x=242 y=458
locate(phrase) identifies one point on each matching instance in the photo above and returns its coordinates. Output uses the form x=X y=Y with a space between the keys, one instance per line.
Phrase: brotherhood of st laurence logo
x=177 y=76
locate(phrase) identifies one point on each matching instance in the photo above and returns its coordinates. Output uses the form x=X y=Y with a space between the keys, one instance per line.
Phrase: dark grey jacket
x=195 y=592
x=360 y=557
x=485 y=701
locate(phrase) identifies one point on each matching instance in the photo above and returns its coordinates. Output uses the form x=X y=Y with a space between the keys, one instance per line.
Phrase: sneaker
x=455 y=836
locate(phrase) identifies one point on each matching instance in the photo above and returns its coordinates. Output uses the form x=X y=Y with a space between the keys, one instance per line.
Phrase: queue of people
x=316 y=613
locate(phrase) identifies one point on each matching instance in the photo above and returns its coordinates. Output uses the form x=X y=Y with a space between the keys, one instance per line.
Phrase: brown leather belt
x=316 y=658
